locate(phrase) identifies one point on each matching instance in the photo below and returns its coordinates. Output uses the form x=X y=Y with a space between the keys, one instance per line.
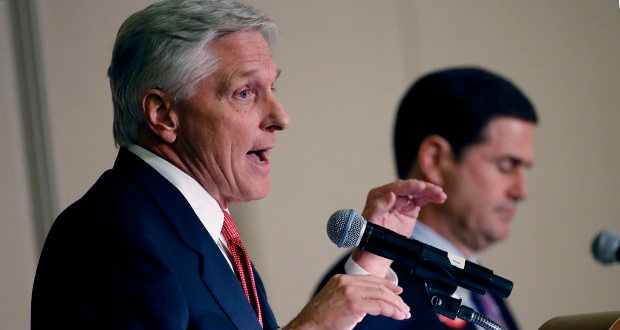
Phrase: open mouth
x=257 y=156
x=507 y=213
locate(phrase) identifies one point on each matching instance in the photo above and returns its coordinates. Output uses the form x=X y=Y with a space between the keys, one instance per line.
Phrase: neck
x=436 y=217
x=431 y=216
x=168 y=153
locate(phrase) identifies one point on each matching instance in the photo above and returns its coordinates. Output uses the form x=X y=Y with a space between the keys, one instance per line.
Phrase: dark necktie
x=487 y=305
x=242 y=263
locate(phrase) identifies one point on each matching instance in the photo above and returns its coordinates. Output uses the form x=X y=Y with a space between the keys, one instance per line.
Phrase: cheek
x=460 y=203
x=471 y=198
x=197 y=126
x=483 y=184
x=239 y=126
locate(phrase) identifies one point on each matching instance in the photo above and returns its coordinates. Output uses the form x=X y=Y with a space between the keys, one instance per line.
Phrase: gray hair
x=165 y=46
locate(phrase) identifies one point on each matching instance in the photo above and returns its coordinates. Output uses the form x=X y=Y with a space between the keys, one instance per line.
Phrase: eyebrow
x=248 y=73
x=517 y=161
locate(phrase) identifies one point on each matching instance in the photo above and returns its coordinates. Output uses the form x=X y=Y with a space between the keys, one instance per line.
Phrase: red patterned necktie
x=242 y=263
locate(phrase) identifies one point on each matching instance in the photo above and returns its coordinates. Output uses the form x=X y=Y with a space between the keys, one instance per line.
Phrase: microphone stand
x=440 y=282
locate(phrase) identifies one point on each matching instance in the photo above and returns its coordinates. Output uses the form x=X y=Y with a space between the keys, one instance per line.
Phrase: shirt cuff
x=352 y=268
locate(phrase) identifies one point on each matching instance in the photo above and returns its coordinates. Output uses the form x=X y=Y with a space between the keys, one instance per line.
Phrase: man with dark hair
x=470 y=132
x=152 y=245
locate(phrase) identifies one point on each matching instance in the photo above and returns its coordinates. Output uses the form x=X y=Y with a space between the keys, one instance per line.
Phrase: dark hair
x=456 y=104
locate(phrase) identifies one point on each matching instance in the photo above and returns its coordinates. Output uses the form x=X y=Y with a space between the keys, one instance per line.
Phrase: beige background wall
x=345 y=65
x=18 y=254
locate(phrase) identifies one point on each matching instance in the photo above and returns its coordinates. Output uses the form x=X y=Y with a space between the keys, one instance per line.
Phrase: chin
x=258 y=192
x=501 y=235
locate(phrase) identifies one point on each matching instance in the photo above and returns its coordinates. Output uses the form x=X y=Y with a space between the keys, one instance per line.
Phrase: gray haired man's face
x=227 y=129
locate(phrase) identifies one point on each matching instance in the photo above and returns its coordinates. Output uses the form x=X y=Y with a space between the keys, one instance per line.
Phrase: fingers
x=373 y=295
x=407 y=192
x=346 y=299
x=367 y=294
x=405 y=196
x=381 y=308
x=396 y=205
x=418 y=192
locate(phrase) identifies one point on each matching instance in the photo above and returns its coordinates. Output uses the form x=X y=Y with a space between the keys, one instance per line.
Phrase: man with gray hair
x=151 y=245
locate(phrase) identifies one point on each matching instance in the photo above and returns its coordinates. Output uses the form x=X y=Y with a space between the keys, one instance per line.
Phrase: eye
x=506 y=165
x=244 y=94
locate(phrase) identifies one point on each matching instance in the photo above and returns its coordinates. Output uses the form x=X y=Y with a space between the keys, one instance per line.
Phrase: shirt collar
x=204 y=205
x=425 y=234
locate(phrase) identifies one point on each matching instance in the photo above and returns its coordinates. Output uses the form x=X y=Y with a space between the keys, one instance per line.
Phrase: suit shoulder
x=112 y=206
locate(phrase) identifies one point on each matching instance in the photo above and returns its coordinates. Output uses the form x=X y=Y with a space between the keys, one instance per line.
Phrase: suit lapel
x=269 y=320
x=216 y=273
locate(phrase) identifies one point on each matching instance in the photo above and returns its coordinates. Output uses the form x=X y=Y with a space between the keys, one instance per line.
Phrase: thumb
x=375 y=211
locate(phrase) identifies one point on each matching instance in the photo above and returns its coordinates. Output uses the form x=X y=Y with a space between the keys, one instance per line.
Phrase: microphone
x=606 y=247
x=347 y=228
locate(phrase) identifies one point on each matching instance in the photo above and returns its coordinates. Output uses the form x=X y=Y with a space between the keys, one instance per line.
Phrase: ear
x=435 y=157
x=160 y=113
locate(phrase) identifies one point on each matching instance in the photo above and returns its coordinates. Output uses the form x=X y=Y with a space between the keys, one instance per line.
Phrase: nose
x=520 y=188
x=276 y=119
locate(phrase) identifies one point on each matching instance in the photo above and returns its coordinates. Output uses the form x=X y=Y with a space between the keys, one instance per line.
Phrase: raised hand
x=395 y=206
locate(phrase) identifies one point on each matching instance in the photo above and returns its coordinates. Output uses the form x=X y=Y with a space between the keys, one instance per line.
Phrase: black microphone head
x=345 y=228
x=605 y=246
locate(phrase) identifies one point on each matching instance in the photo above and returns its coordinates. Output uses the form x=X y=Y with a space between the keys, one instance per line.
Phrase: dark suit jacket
x=414 y=295
x=132 y=254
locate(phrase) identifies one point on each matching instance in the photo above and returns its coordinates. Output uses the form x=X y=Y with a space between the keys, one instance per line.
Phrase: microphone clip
x=436 y=271
x=451 y=307
x=445 y=305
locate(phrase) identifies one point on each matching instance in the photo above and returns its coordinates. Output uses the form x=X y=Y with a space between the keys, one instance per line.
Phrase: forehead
x=507 y=137
x=242 y=51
